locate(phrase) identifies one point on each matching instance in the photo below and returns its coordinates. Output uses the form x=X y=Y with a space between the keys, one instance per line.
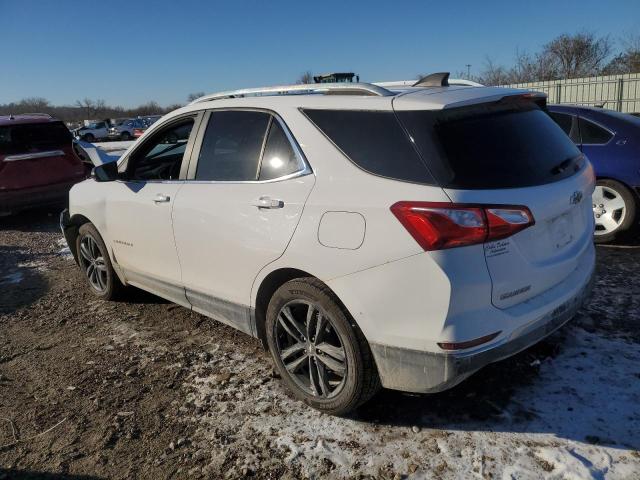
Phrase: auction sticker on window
x=497 y=248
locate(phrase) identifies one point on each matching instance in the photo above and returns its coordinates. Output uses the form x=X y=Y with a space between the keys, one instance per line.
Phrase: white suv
x=366 y=237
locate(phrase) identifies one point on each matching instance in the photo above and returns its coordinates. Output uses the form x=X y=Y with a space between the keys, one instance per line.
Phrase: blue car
x=611 y=141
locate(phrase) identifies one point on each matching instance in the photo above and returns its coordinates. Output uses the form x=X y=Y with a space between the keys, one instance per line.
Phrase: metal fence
x=615 y=92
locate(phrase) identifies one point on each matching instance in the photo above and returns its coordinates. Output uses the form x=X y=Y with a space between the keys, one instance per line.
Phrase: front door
x=140 y=207
x=238 y=210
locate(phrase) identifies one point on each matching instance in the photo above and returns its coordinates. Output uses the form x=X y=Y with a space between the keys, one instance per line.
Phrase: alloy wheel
x=93 y=263
x=311 y=349
x=609 y=209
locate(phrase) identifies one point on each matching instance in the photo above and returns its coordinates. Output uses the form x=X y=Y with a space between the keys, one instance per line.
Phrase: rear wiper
x=562 y=166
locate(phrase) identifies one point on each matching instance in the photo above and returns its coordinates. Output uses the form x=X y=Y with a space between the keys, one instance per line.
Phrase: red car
x=38 y=164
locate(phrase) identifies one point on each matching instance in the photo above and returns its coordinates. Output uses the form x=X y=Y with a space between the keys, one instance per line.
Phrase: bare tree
x=149 y=108
x=92 y=108
x=567 y=56
x=193 y=96
x=627 y=61
x=33 y=105
x=578 y=55
x=305 y=77
x=494 y=74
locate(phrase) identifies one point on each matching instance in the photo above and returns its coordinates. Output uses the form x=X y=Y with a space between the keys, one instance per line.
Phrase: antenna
x=440 y=79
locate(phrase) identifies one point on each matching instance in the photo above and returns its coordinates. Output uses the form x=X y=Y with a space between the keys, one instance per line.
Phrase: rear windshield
x=492 y=146
x=24 y=138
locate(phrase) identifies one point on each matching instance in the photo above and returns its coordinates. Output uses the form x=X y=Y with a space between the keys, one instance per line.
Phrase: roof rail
x=34 y=114
x=344 y=88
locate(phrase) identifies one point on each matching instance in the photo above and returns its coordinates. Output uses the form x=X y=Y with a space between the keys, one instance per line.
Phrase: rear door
x=37 y=154
x=238 y=209
x=514 y=155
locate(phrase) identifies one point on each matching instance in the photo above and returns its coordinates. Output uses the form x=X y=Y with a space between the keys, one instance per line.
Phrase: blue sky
x=129 y=52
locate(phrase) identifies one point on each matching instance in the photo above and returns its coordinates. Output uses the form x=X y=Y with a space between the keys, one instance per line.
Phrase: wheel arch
x=71 y=232
x=633 y=190
x=268 y=286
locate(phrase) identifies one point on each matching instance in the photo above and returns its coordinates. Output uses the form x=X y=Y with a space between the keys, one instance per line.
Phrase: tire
x=126 y=136
x=316 y=374
x=614 y=210
x=88 y=137
x=95 y=264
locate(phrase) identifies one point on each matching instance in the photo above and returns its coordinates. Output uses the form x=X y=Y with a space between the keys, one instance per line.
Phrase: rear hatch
x=37 y=154
x=510 y=152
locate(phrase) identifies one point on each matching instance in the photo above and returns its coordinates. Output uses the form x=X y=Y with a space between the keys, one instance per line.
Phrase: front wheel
x=318 y=349
x=614 y=210
x=95 y=263
x=89 y=138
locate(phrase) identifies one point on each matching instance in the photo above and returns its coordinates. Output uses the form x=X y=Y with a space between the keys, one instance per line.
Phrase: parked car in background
x=368 y=238
x=92 y=132
x=611 y=141
x=146 y=123
x=125 y=130
x=38 y=165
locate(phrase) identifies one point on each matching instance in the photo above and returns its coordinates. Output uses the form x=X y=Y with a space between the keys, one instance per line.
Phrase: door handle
x=160 y=198
x=268 y=202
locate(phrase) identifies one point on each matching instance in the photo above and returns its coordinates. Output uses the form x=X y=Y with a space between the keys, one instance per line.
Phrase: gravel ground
x=143 y=388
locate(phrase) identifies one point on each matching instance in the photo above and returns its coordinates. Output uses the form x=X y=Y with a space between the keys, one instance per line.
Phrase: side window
x=567 y=123
x=563 y=120
x=232 y=145
x=160 y=157
x=374 y=141
x=593 y=134
x=279 y=158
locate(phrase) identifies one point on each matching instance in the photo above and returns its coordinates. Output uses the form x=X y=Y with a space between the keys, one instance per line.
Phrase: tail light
x=137 y=132
x=436 y=225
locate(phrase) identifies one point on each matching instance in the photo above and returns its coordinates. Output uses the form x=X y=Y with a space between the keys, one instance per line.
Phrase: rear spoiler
x=539 y=98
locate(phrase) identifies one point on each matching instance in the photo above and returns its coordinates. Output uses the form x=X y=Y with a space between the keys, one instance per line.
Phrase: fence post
x=620 y=95
x=559 y=93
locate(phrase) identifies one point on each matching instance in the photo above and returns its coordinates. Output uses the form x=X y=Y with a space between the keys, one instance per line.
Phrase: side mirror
x=107 y=172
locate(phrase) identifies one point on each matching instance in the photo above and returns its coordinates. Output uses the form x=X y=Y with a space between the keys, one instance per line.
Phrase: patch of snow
x=39 y=265
x=119 y=146
x=12 y=278
x=65 y=251
x=581 y=420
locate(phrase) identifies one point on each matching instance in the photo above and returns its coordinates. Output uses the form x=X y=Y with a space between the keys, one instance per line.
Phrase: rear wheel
x=125 y=136
x=95 y=263
x=88 y=137
x=614 y=210
x=318 y=349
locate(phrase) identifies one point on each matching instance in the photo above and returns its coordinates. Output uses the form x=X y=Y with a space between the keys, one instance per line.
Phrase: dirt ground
x=143 y=388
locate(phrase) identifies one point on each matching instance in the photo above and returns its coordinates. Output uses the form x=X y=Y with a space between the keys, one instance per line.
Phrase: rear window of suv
x=374 y=141
x=24 y=138
x=492 y=146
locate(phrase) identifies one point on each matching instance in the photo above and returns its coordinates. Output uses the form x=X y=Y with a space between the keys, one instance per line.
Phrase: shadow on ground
x=38 y=220
x=34 y=475
x=20 y=285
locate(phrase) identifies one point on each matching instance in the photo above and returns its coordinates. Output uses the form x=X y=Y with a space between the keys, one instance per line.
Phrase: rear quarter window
x=593 y=134
x=374 y=141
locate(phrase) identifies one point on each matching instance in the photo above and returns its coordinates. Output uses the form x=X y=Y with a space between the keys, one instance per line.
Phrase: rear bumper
x=429 y=372
x=25 y=198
